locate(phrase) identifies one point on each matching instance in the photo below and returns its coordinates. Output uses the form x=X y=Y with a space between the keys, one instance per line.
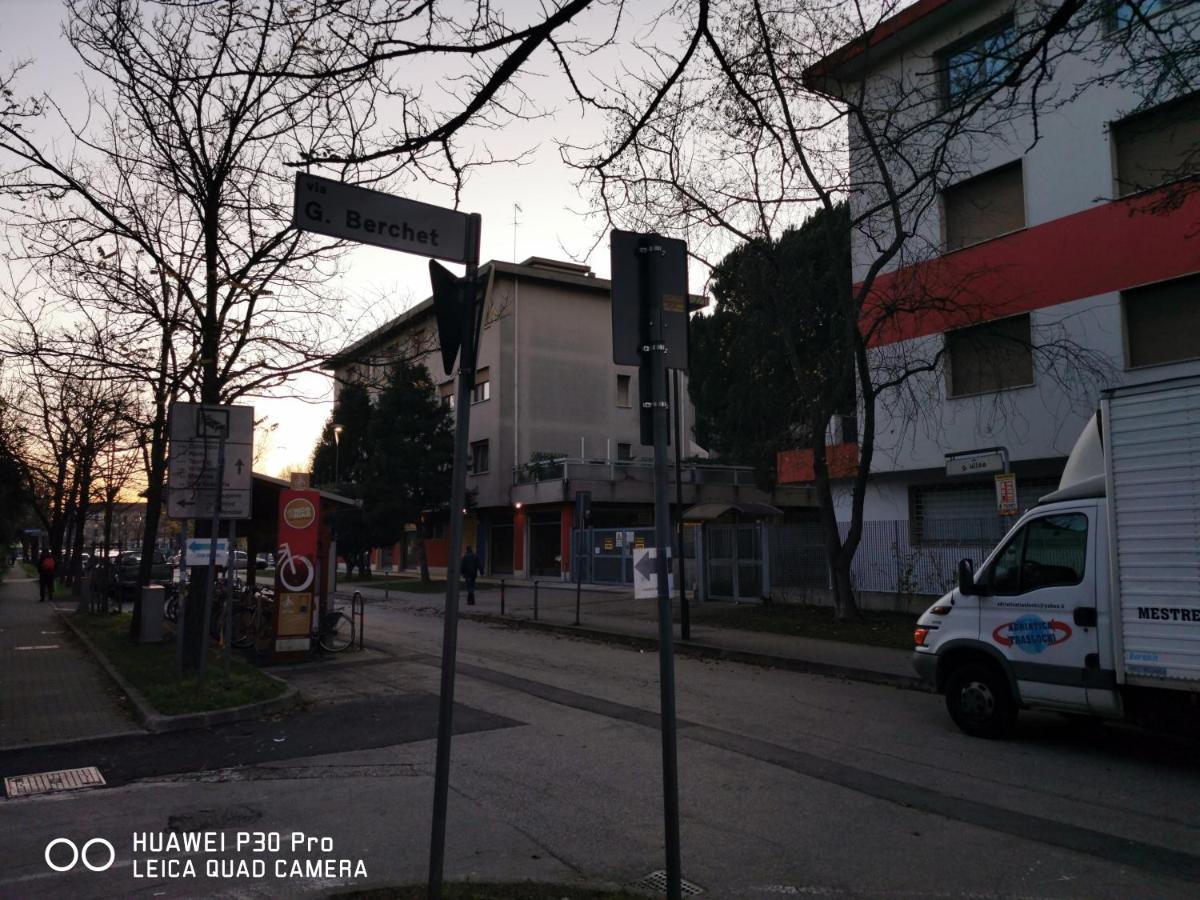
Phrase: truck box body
x=1151 y=438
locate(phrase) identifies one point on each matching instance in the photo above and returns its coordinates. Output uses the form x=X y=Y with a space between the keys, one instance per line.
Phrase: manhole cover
x=657 y=882
x=51 y=782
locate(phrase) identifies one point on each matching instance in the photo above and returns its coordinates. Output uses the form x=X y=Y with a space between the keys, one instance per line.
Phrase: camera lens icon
x=82 y=854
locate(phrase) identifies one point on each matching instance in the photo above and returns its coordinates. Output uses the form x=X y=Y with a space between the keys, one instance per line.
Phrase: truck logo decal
x=1032 y=634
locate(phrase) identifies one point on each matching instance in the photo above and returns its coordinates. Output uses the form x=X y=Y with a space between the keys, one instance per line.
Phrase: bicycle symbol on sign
x=295 y=572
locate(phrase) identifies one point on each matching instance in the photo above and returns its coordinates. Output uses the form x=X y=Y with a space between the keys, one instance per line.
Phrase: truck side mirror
x=966 y=578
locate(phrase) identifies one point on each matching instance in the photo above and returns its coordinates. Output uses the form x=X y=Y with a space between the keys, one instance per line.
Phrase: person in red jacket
x=45 y=577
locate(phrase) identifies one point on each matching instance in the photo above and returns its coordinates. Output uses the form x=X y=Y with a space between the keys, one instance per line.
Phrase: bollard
x=578 y=591
x=535 y=589
x=501 y=596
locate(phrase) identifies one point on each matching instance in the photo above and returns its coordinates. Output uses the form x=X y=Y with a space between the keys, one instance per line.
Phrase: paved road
x=791 y=785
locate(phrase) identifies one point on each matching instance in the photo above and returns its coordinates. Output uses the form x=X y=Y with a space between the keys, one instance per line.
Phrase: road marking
x=38 y=647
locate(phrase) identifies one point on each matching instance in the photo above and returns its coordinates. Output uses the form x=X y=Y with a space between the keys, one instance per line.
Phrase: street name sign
x=197 y=430
x=978 y=462
x=354 y=213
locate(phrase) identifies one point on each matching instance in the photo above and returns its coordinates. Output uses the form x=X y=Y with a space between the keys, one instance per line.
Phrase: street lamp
x=337 y=453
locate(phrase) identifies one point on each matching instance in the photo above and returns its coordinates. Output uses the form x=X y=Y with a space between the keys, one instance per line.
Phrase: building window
x=990 y=357
x=479 y=457
x=446 y=394
x=624 y=452
x=984 y=207
x=1157 y=146
x=1162 y=322
x=623 y=391
x=483 y=386
x=982 y=60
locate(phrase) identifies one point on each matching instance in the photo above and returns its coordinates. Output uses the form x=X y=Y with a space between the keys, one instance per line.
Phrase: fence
x=890 y=559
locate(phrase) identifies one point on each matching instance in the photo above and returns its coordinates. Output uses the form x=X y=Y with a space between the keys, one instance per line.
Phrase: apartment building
x=551 y=416
x=1065 y=222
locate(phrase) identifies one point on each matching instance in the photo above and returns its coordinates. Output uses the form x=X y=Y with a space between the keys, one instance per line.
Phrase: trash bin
x=153 y=598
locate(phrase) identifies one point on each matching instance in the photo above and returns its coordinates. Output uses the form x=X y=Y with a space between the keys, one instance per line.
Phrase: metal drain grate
x=52 y=782
x=657 y=882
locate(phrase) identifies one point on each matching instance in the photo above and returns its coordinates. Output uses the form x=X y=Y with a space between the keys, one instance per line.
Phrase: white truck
x=1091 y=603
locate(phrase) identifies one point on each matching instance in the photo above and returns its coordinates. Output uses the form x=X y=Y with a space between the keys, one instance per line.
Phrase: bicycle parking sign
x=296 y=568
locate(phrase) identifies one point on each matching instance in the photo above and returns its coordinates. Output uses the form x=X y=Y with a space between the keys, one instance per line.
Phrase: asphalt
x=53 y=692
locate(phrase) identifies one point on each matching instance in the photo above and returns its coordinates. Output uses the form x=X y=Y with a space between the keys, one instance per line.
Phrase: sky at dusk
x=378 y=283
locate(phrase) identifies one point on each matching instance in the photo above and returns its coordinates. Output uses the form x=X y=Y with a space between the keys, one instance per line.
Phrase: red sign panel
x=296 y=568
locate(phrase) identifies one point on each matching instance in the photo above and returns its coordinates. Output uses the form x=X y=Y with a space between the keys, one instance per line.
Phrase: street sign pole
x=212 y=557
x=654 y=357
x=471 y=310
x=230 y=574
x=685 y=625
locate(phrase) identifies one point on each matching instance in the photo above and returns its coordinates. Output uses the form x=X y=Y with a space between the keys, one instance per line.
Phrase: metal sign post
x=210 y=584
x=349 y=212
x=471 y=311
x=660 y=266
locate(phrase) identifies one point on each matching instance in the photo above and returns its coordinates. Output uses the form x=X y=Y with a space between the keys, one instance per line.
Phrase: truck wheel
x=979 y=701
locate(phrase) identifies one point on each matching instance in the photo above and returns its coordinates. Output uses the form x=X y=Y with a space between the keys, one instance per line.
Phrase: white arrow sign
x=645 y=574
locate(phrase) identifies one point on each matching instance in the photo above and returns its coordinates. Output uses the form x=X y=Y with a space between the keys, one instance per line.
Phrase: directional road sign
x=197 y=430
x=358 y=214
x=645 y=577
x=199 y=548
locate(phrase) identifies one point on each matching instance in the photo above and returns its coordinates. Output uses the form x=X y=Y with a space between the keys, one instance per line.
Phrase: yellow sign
x=295 y=614
x=299 y=513
x=1006 y=495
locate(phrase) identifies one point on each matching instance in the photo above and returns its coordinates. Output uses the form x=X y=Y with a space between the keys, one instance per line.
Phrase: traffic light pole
x=654 y=353
x=471 y=310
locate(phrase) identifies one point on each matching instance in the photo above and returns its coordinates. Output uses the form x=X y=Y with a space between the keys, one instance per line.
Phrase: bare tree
x=743 y=128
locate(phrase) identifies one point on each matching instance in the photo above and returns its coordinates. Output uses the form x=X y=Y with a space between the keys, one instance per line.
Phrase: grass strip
x=151 y=669
x=875 y=627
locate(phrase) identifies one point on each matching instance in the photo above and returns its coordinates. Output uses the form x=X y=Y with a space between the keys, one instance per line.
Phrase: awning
x=706 y=512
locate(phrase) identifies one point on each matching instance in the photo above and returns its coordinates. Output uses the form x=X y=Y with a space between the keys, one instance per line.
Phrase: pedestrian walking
x=45 y=577
x=469 y=569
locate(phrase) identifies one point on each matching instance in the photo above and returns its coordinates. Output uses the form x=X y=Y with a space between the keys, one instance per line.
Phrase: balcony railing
x=567 y=468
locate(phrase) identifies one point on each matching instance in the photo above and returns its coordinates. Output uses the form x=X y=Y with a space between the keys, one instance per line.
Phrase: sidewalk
x=616 y=616
x=51 y=691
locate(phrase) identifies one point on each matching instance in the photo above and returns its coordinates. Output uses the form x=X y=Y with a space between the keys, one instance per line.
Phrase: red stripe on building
x=1107 y=248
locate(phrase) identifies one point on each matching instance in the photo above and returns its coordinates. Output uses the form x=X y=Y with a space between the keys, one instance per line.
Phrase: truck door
x=1034 y=586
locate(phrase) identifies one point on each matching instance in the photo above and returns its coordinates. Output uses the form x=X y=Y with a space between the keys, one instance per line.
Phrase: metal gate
x=608 y=554
x=735 y=561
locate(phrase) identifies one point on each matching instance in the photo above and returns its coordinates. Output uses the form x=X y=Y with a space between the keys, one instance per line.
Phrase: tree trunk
x=845 y=604
x=154 y=498
x=422 y=556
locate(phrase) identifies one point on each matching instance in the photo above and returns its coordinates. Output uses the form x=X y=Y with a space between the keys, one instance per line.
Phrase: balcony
x=632 y=481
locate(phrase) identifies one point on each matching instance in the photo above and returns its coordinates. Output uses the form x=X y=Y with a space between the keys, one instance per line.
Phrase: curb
x=698 y=650
x=157 y=722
